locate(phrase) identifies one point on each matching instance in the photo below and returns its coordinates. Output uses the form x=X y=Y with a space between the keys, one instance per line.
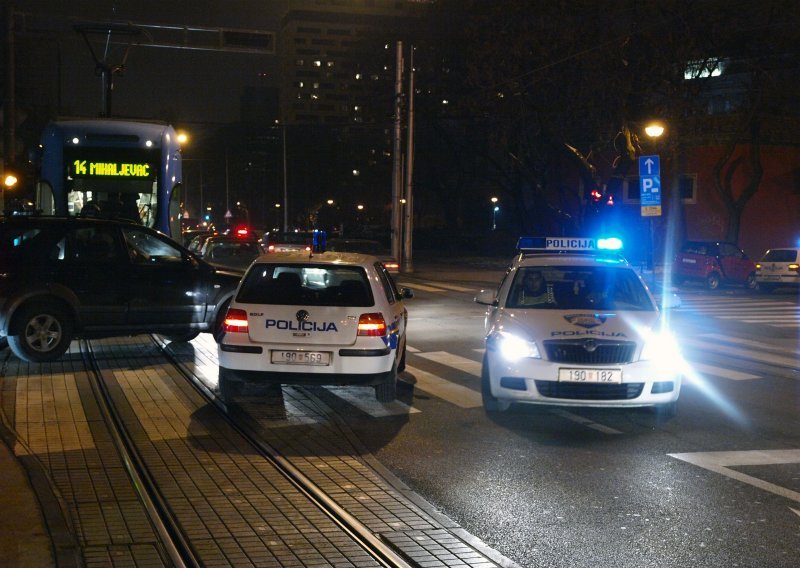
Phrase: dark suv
x=64 y=278
x=714 y=263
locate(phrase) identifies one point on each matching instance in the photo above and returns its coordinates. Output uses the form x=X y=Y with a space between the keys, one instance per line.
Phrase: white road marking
x=461 y=363
x=720 y=462
x=754 y=355
x=444 y=389
x=758 y=318
x=412 y=349
x=418 y=286
x=723 y=372
x=585 y=421
x=748 y=342
x=364 y=399
x=453 y=287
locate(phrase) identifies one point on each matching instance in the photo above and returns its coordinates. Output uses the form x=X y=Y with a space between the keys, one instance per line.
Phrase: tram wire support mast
x=103 y=68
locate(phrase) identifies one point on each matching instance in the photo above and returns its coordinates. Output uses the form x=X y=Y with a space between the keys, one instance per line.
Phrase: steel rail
x=361 y=534
x=175 y=545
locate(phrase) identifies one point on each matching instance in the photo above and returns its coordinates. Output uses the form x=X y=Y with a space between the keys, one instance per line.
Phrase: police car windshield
x=307 y=285
x=578 y=288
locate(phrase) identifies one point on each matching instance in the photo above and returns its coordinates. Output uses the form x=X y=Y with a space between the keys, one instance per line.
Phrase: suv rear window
x=307 y=285
x=780 y=255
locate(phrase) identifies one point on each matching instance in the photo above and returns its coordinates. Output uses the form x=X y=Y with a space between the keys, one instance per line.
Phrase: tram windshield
x=120 y=183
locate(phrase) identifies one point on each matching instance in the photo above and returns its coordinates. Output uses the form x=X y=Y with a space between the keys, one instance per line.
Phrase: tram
x=112 y=168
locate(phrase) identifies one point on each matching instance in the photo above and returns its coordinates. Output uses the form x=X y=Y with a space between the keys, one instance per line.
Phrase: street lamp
x=495 y=209
x=654 y=129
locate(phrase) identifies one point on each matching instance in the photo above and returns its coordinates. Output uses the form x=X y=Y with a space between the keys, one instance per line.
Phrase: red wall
x=772 y=216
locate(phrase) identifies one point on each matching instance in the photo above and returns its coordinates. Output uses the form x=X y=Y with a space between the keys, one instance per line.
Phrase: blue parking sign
x=650 y=185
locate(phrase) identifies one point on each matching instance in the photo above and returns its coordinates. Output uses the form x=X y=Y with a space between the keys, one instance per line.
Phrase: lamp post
x=495 y=209
x=654 y=130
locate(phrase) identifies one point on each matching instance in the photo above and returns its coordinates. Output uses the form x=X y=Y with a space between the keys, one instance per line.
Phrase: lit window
x=703 y=69
x=318 y=63
x=358 y=76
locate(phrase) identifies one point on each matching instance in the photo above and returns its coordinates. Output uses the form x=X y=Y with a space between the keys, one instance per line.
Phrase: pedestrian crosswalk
x=764 y=311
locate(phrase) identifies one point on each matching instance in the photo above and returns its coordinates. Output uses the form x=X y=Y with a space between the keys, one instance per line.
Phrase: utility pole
x=397 y=171
x=9 y=105
x=407 y=264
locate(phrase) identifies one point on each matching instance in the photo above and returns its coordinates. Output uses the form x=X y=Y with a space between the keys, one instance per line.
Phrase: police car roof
x=604 y=250
x=572 y=258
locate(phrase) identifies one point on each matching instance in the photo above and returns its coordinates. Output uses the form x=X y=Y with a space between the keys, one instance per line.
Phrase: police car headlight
x=513 y=347
x=660 y=346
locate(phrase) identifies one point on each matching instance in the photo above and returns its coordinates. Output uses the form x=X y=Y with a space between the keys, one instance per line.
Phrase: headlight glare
x=661 y=347
x=513 y=347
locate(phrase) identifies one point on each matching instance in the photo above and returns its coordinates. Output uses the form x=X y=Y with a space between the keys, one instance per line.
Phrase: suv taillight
x=235 y=321
x=372 y=325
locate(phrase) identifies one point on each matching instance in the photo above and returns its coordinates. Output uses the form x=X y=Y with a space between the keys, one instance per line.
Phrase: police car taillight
x=391 y=265
x=235 y=321
x=372 y=325
x=271 y=248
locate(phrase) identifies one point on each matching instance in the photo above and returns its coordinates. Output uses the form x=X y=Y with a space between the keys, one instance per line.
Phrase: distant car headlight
x=661 y=347
x=512 y=347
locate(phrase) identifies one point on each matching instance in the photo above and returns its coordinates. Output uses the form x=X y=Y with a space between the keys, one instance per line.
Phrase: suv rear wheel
x=41 y=333
x=712 y=281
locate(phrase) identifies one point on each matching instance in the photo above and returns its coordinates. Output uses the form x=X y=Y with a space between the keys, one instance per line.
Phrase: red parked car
x=714 y=263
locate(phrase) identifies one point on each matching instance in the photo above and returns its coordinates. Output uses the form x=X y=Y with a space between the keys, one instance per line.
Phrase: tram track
x=178 y=547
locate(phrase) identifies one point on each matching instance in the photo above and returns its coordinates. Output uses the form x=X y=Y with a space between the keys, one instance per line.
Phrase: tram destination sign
x=93 y=163
x=91 y=168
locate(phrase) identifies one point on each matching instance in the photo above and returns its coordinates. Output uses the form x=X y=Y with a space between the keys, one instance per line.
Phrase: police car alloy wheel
x=571 y=325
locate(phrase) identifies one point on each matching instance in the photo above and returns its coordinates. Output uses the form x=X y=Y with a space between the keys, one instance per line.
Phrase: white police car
x=315 y=319
x=570 y=325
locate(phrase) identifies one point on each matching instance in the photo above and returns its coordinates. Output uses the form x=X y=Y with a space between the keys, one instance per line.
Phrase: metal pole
x=397 y=168
x=9 y=106
x=407 y=263
x=285 y=185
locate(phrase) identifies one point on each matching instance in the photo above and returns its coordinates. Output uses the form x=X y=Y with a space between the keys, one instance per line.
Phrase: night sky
x=182 y=86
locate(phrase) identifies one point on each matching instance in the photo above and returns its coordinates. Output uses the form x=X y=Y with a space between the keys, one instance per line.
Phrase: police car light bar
x=531 y=244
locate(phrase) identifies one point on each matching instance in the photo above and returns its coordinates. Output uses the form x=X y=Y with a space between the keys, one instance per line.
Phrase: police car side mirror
x=406 y=293
x=486 y=297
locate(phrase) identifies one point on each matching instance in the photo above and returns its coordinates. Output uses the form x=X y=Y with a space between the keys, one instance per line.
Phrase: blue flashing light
x=319 y=240
x=579 y=244
x=610 y=243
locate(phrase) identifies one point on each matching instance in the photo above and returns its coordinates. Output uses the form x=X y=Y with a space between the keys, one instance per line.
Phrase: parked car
x=233 y=252
x=778 y=267
x=287 y=241
x=713 y=263
x=330 y=319
x=66 y=278
x=365 y=246
x=189 y=234
x=196 y=242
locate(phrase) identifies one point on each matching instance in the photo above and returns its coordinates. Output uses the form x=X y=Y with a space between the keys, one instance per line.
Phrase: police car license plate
x=590 y=375
x=301 y=357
